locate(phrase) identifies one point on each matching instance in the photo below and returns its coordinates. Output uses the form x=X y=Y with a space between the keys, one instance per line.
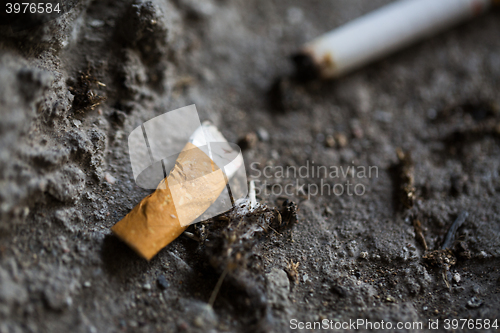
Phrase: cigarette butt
x=159 y=219
x=379 y=33
x=194 y=189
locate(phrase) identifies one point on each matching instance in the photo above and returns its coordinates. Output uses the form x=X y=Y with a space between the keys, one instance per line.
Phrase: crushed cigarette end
x=162 y=216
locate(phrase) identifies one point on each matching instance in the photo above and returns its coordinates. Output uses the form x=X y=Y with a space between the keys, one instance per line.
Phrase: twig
x=217 y=287
x=450 y=236
x=419 y=233
x=192 y=236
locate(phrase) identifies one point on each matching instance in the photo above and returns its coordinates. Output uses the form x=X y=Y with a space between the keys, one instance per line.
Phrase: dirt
x=73 y=88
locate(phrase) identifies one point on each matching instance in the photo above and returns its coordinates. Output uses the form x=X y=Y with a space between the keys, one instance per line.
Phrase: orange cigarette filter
x=192 y=187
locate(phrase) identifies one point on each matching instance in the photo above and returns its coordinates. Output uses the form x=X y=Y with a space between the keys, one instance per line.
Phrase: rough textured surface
x=65 y=175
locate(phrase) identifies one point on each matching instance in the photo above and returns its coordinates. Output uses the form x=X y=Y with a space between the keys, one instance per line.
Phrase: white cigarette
x=381 y=32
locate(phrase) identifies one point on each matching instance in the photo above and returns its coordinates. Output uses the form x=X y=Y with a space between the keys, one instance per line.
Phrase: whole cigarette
x=381 y=32
x=190 y=189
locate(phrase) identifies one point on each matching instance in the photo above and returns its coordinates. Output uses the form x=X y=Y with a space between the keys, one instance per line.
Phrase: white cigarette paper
x=385 y=30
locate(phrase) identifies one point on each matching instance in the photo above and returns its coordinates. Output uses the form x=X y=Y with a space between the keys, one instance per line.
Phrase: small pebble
x=110 y=179
x=474 y=302
x=274 y=154
x=330 y=141
x=87 y=284
x=390 y=299
x=341 y=139
x=456 y=277
x=146 y=286
x=119 y=117
x=431 y=114
x=263 y=134
x=198 y=321
x=363 y=255
x=162 y=282
x=96 y=23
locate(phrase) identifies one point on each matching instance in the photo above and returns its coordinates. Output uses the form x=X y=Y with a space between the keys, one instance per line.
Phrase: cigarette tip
x=305 y=67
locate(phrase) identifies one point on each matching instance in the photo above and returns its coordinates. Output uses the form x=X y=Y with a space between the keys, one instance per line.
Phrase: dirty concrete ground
x=66 y=176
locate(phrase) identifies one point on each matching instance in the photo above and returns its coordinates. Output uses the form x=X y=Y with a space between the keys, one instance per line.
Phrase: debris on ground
x=450 y=235
x=419 y=233
x=230 y=243
x=86 y=93
x=444 y=258
x=292 y=271
x=406 y=178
